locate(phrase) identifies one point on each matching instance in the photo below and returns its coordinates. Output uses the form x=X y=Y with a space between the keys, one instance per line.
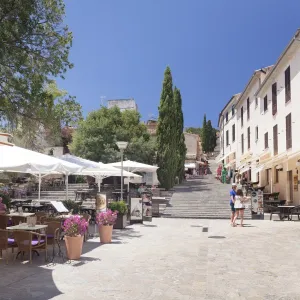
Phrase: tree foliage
x=208 y=136
x=180 y=140
x=194 y=130
x=166 y=134
x=96 y=137
x=34 y=46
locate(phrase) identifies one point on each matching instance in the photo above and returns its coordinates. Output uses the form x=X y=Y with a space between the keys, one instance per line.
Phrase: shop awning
x=244 y=169
x=224 y=157
x=190 y=166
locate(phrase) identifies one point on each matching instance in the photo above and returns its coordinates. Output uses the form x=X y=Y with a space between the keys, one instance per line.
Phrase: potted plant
x=121 y=208
x=105 y=221
x=74 y=228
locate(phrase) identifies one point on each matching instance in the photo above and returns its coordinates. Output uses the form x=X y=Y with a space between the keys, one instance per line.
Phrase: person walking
x=239 y=206
x=232 y=201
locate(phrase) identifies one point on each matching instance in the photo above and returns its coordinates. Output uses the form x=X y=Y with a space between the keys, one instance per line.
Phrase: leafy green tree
x=166 y=133
x=96 y=136
x=180 y=140
x=34 y=46
x=194 y=130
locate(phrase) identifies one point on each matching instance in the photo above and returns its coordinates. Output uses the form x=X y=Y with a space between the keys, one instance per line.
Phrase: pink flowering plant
x=106 y=218
x=75 y=225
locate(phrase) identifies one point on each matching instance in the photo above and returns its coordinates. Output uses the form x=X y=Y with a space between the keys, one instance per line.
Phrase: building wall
x=192 y=145
x=123 y=104
x=263 y=161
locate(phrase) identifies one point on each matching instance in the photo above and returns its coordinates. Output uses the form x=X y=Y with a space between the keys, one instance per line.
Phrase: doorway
x=290 y=185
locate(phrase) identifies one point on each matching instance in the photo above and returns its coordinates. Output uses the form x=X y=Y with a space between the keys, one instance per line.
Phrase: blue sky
x=121 y=49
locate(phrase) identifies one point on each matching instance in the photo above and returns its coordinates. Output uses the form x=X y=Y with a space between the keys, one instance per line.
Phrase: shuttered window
x=274 y=98
x=275 y=139
x=288 y=125
x=242 y=116
x=227 y=137
x=248 y=109
x=233 y=132
x=266 y=140
x=242 y=143
x=287 y=76
x=248 y=133
x=266 y=103
x=226 y=117
x=256 y=133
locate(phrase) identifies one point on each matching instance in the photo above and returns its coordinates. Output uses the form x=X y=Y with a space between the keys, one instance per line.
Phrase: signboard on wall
x=136 y=210
x=295 y=182
x=257 y=205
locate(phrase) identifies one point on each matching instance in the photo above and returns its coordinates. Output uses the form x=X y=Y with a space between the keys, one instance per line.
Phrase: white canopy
x=94 y=169
x=134 y=166
x=17 y=159
x=21 y=160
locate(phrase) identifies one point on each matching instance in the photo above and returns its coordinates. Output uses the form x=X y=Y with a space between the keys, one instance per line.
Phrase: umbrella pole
x=67 y=186
x=40 y=183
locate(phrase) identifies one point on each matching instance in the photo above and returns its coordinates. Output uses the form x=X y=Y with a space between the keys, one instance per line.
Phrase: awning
x=190 y=166
x=226 y=155
x=244 y=169
x=260 y=168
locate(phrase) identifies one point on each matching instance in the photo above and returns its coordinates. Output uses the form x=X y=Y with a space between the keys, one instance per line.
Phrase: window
x=256 y=133
x=276 y=175
x=258 y=177
x=256 y=102
x=274 y=98
x=242 y=116
x=242 y=141
x=248 y=109
x=227 y=137
x=275 y=139
x=226 y=117
x=268 y=176
x=232 y=110
x=266 y=140
x=233 y=132
x=266 y=103
x=287 y=76
x=288 y=128
x=248 y=132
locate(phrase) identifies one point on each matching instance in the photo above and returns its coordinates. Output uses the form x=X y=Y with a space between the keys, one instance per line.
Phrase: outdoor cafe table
x=16 y=214
x=33 y=207
x=284 y=211
x=25 y=226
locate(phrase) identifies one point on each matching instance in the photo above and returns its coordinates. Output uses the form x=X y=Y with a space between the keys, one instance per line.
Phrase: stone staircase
x=60 y=194
x=204 y=197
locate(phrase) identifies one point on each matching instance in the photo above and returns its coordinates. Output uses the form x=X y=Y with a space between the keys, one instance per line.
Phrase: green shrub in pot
x=119 y=206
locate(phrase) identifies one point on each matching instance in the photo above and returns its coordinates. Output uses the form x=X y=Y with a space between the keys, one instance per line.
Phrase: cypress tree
x=210 y=136
x=180 y=140
x=204 y=135
x=166 y=132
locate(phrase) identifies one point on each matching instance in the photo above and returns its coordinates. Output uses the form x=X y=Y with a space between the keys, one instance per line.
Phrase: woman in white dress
x=239 y=206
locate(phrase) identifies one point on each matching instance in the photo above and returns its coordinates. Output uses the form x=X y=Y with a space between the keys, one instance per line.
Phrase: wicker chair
x=26 y=242
x=3 y=221
x=40 y=215
x=6 y=242
x=87 y=217
x=53 y=233
x=17 y=219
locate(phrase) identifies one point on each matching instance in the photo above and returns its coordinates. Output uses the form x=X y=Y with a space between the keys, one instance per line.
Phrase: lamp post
x=122 y=146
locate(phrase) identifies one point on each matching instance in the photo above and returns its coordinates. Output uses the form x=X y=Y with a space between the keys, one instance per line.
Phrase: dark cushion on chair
x=10 y=241
x=50 y=236
x=9 y=223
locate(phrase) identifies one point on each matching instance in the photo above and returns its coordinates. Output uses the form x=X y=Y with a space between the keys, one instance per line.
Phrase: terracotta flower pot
x=74 y=246
x=105 y=233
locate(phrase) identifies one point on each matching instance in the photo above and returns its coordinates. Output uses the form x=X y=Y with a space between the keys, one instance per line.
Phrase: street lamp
x=122 y=146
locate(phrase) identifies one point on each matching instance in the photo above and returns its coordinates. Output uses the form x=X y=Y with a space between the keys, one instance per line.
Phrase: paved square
x=170 y=259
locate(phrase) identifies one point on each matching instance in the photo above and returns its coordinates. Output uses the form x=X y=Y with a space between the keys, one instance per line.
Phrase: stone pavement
x=172 y=259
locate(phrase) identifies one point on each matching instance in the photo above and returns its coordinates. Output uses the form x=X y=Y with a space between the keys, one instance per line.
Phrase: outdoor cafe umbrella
x=21 y=160
x=94 y=169
x=134 y=166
